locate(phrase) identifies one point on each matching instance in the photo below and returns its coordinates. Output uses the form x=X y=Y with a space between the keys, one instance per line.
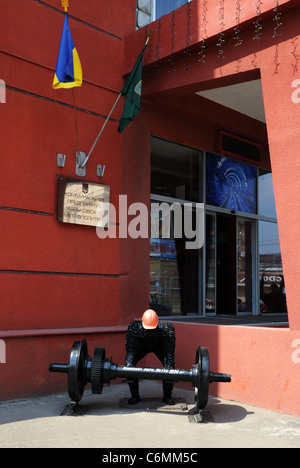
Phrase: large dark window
x=175 y=171
x=175 y=270
x=237 y=269
x=266 y=194
x=272 y=289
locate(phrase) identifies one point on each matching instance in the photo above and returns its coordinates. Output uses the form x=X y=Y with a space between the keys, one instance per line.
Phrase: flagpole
x=101 y=131
x=76 y=121
x=105 y=123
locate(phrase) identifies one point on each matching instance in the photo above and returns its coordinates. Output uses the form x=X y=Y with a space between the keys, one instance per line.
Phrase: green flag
x=132 y=90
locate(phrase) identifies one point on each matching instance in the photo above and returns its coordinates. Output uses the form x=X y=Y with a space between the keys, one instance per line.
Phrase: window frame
x=255 y=218
x=153 y=10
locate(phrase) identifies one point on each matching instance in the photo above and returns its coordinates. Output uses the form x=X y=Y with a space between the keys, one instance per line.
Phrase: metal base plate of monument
x=74 y=409
x=155 y=404
x=199 y=416
x=147 y=404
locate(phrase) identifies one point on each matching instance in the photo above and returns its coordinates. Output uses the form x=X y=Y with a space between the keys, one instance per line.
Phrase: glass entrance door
x=244 y=266
x=226 y=265
x=210 y=258
x=229 y=265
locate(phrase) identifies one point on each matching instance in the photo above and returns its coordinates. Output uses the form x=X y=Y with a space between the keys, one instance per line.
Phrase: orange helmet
x=150 y=319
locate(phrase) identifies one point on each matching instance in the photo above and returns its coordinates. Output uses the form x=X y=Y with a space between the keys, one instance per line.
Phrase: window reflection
x=272 y=290
x=210 y=297
x=174 y=273
x=266 y=194
x=163 y=7
x=244 y=259
x=231 y=244
x=175 y=170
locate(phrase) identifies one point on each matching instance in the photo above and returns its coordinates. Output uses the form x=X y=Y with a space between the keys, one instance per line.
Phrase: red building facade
x=208 y=67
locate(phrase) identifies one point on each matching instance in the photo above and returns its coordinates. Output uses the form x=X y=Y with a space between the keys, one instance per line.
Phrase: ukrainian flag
x=68 y=68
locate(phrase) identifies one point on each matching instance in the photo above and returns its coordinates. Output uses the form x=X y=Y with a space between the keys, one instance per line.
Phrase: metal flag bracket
x=80 y=158
x=61 y=159
x=100 y=170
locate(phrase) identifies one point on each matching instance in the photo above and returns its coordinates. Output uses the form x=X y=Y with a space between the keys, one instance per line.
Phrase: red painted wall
x=52 y=273
x=60 y=282
x=275 y=60
x=57 y=277
x=262 y=360
x=29 y=353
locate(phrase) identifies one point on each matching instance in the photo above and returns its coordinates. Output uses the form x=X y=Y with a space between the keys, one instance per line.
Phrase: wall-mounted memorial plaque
x=81 y=202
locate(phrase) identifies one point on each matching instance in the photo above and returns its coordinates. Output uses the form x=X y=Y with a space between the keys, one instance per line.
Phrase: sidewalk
x=36 y=423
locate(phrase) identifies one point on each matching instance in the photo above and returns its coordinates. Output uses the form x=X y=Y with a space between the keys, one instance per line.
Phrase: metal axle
x=98 y=370
x=112 y=371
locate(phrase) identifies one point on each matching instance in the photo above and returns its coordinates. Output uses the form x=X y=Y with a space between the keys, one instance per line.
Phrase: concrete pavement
x=36 y=423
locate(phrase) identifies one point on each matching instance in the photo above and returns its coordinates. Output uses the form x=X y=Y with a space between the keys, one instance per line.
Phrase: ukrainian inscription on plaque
x=84 y=203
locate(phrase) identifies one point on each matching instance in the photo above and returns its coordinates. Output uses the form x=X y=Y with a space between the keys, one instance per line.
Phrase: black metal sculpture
x=98 y=370
x=145 y=336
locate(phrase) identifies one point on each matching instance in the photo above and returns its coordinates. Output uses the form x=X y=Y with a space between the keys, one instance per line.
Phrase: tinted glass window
x=272 y=289
x=164 y=7
x=266 y=194
x=175 y=170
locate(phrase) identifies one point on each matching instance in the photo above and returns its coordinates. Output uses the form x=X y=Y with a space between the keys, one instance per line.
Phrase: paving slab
x=106 y=421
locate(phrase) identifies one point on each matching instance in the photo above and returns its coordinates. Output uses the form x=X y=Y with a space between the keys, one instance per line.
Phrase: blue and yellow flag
x=68 y=68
